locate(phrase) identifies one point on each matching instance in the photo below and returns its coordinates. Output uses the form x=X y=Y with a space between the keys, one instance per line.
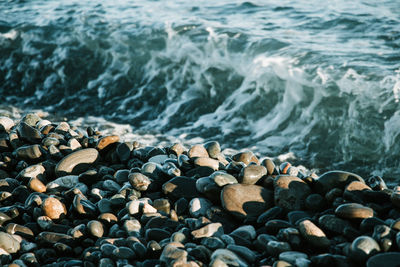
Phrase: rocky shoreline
x=74 y=197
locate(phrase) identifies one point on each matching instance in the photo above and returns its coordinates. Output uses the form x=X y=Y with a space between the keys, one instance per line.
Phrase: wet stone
x=333 y=224
x=212 y=243
x=269 y=165
x=106 y=142
x=252 y=174
x=6 y=124
x=199 y=207
x=354 y=211
x=333 y=179
x=197 y=151
x=95 y=228
x=32 y=152
x=222 y=178
x=77 y=162
x=213 y=149
x=275 y=248
x=362 y=248
x=180 y=187
x=313 y=234
x=139 y=181
x=212 y=229
x=388 y=259
x=207 y=162
x=246 y=201
x=292 y=256
x=156 y=234
x=8 y=243
x=53 y=208
x=29 y=133
x=123 y=253
x=245 y=157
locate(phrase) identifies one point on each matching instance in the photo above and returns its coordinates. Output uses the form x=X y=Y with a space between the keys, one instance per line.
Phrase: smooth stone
x=354 y=211
x=8 y=243
x=212 y=243
x=49 y=141
x=376 y=183
x=36 y=185
x=290 y=192
x=32 y=152
x=74 y=144
x=225 y=257
x=275 y=248
x=177 y=149
x=368 y=224
x=110 y=185
x=62 y=128
x=252 y=174
x=199 y=207
x=124 y=151
x=77 y=162
x=51 y=238
x=29 y=133
x=132 y=227
x=53 y=208
x=362 y=248
x=243 y=252
x=247 y=232
x=83 y=206
x=179 y=187
x=273 y=226
x=124 y=253
x=290 y=235
x=89 y=177
x=159 y=159
x=292 y=256
x=211 y=229
x=6 y=123
x=106 y=142
x=173 y=252
x=271 y=214
x=296 y=216
x=313 y=234
x=207 y=186
x=63 y=183
x=162 y=204
x=246 y=202
x=245 y=157
x=388 y=259
x=139 y=181
x=213 y=149
x=95 y=228
x=333 y=194
x=221 y=178
x=181 y=205
x=333 y=179
x=333 y=224
x=207 y=162
x=197 y=151
x=106 y=262
x=269 y=165
x=354 y=191
x=33 y=171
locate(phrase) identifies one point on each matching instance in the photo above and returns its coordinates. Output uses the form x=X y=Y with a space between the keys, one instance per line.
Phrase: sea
x=315 y=83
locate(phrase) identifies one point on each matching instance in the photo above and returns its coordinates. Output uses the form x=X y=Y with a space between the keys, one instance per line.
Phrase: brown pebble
x=36 y=185
x=106 y=141
x=313 y=234
x=53 y=208
x=197 y=151
x=207 y=162
x=245 y=157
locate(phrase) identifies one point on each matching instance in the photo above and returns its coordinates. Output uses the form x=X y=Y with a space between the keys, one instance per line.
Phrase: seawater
x=319 y=82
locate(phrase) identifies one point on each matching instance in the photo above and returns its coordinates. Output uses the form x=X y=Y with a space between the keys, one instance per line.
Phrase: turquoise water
x=319 y=80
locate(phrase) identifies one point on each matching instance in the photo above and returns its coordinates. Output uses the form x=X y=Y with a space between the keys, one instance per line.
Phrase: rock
x=36 y=185
x=376 y=183
x=243 y=252
x=275 y=248
x=354 y=191
x=32 y=152
x=222 y=178
x=8 y=243
x=106 y=142
x=225 y=257
x=251 y=174
x=197 y=151
x=199 y=207
x=292 y=256
x=77 y=162
x=246 y=202
x=177 y=149
x=124 y=151
x=333 y=179
x=313 y=234
x=290 y=192
x=62 y=183
x=354 y=211
x=247 y=232
x=123 y=253
x=157 y=234
x=273 y=226
x=53 y=208
x=213 y=149
x=33 y=171
x=28 y=133
x=212 y=243
x=207 y=162
x=271 y=214
x=245 y=157
x=269 y=165
x=211 y=229
x=333 y=224
x=362 y=248
x=95 y=228
x=74 y=144
x=6 y=124
x=179 y=187
x=388 y=259
x=173 y=252
x=162 y=205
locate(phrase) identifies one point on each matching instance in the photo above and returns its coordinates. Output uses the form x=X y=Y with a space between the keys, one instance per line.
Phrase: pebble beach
x=71 y=196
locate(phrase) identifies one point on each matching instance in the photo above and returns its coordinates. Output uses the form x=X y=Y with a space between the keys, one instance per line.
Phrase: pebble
x=362 y=248
x=252 y=174
x=290 y=192
x=395 y=197
x=354 y=211
x=213 y=149
x=245 y=157
x=32 y=152
x=77 y=162
x=53 y=208
x=225 y=257
x=180 y=187
x=8 y=243
x=106 y=142
x=95 y=228
x=388 y=259
x=29 y=133
x=313 y=234
x=211 y=229
x=207 y=162
x=246 y=202
x=197 y=151
x=335 y=179
x=222 y=178
x=6 y=123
